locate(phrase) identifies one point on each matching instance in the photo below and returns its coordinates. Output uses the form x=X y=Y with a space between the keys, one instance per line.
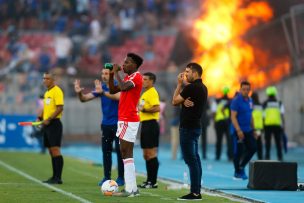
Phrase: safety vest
x=220 y=113
x=257 y=115
x=273 y=113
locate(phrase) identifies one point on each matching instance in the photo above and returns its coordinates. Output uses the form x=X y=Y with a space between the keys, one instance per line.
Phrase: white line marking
x=11 y=168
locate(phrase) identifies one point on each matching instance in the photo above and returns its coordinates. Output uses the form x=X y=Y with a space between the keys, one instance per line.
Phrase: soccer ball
x=109 y=187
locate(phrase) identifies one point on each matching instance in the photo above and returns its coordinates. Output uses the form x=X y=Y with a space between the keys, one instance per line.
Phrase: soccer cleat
x=124 y=193
x=53 y=181
x=148 y=184
x=143 y=184
x=136 y=193
x=191 y=197
x=102 y=181
x=120 y=181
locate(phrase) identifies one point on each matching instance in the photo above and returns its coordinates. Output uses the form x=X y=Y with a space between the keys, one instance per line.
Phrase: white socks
x=130 y=177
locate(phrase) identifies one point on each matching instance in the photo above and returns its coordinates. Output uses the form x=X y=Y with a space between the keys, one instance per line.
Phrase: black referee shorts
x=149 y=136
x=53 y=134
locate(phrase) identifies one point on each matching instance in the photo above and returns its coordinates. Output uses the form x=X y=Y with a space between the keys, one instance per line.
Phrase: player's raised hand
x=77 y=87
x=98 y=87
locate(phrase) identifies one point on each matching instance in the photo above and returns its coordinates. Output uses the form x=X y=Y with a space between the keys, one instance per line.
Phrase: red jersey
x=127 y=109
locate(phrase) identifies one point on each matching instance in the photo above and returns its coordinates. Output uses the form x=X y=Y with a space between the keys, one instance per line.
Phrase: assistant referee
x=52 y=127
x=149 y=108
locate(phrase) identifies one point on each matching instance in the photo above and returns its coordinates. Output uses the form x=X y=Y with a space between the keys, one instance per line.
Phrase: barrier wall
x=14 y=136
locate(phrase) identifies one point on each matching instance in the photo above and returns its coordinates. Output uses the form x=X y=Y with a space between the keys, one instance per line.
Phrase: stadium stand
x=28 y=37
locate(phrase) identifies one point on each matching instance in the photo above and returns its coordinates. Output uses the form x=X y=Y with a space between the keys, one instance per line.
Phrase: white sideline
x=11 y=168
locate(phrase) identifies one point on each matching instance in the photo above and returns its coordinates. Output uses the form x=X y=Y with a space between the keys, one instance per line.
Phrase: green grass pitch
x=21 y=174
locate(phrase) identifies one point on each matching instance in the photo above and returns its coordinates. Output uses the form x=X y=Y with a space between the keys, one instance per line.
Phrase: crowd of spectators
x=83 y=30
x=76 y=36
x=58 y=15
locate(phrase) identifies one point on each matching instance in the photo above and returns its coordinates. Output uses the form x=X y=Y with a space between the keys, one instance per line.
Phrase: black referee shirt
x=198 y=93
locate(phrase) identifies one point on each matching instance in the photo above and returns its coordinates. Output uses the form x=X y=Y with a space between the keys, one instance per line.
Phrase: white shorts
x=127 y=130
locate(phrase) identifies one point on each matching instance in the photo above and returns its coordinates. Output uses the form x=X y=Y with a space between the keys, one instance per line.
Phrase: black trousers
x=260 y=147
x=221 y=129
x=243 y=150
x=204 y=142
x=108 y=137
x=277 y=132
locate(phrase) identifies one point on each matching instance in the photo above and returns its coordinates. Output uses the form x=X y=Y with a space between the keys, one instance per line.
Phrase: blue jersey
x=243 y=107
x=109 y=108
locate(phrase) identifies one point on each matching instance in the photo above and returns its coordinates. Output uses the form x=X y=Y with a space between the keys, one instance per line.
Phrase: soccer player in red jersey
x=128 y=117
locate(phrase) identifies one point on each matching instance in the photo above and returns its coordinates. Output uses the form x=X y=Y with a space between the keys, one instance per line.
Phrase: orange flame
x=225 y=56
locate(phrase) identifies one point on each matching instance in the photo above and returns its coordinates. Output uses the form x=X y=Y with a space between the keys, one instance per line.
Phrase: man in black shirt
x=193 y=98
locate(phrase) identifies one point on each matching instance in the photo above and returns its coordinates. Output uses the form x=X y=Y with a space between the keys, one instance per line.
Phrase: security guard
x=221 y=115
x=273 y=121
x=257 y=115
